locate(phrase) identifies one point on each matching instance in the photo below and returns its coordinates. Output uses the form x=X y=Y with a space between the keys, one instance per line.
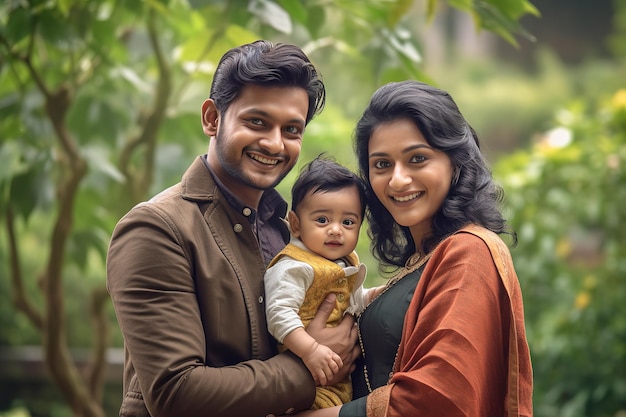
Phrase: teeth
x=262 y=160
x=407 y=197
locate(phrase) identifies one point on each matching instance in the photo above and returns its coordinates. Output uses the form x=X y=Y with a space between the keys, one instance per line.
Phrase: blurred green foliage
x=566 y=197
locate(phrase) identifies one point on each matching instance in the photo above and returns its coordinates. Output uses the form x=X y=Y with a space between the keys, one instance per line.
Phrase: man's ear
x=294 y=223
x=210 y=117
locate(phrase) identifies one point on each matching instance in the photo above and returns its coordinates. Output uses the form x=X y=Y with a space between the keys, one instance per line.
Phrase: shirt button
x=261 y=299
x=340 y=297
x=247 y=211
x=238 y=228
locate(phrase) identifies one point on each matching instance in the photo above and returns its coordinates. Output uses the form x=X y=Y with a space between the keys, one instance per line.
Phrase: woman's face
x=409 y=177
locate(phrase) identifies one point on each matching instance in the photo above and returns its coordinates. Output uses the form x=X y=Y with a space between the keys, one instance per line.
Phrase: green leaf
x=54 y=29
x=316 y=18
x=400 y=40
x=295 y=9
x=98 y=158
x=271 y=14
x=12 y=163
x=65 y=6
x=19 y=25
x=29 y=189
x=398 y=11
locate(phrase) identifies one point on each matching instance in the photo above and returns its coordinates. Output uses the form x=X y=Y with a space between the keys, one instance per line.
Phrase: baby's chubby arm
x=321 y=361
x=286 y=284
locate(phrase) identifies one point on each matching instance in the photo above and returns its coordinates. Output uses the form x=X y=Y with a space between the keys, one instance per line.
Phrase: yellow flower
x=582 y=300
x=619 y=99
x=590 y=282
x=563 y=248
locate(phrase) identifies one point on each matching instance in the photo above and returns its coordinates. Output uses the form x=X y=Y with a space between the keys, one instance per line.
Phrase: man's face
x=257 y=141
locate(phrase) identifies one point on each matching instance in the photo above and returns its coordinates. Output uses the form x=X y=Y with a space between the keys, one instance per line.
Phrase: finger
x=347 y=322
x=323 y=312
x=337 y=362
x=322 y=377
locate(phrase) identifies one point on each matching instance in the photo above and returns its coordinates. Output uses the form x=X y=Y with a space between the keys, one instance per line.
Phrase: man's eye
x=257 y=122
x=294 y=130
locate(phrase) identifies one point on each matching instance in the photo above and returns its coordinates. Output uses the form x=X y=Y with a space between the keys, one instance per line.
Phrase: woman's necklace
x=414 y=263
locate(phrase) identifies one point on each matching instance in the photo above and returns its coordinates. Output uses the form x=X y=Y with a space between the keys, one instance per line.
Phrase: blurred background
x=100 y=109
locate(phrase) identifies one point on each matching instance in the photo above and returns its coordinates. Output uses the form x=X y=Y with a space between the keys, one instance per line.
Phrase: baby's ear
x=293 y=223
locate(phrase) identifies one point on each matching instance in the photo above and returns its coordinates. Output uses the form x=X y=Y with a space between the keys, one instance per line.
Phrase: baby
x=328 y=204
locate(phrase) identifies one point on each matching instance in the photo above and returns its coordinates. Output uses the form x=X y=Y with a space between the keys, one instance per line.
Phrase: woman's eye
x=381 y=164
x=418 y=158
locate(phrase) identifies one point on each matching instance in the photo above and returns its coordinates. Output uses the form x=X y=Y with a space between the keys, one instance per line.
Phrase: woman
x=446 y=337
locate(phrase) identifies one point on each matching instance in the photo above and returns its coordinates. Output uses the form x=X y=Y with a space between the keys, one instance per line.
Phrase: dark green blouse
x=380 y=326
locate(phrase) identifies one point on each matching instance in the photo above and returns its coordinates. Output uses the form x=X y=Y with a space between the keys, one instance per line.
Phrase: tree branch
x=139 y=183
x=99 y=299
x=20 y=300
x=74 y=168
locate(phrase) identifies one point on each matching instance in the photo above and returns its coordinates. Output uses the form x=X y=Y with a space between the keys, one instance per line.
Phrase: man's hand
x=341 y=339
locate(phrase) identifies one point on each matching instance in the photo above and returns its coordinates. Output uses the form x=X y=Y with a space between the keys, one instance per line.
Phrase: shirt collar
x=271 y=204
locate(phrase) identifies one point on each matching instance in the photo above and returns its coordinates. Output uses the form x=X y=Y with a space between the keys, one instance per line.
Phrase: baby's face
x=328 y=222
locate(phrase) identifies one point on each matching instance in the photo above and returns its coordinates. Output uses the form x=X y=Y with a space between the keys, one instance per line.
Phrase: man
x=185 y=269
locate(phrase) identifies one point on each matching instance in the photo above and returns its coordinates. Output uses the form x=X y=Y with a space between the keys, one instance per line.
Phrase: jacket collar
x=197 y=183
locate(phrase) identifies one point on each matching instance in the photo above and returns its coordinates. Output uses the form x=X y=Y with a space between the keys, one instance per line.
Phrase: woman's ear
x=210 y=117
x=294 y=223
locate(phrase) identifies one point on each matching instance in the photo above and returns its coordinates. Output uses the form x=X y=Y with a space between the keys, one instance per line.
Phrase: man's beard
x=235 y=171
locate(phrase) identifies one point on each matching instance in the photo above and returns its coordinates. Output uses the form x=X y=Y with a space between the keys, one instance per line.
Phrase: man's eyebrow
x=265 y=114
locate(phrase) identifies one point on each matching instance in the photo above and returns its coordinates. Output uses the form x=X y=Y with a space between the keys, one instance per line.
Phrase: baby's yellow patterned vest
x=329 y=277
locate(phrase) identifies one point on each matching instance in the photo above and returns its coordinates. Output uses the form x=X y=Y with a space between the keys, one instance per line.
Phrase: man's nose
x=272 y=141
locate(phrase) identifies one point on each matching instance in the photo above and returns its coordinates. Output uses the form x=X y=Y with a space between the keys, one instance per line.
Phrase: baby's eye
x=349 y=222
x=321 y=220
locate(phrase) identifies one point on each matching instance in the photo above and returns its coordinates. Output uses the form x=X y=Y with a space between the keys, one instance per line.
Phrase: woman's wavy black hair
x=474 y=197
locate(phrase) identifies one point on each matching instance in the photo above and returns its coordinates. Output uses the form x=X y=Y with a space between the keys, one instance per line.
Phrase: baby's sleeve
x=286 y=283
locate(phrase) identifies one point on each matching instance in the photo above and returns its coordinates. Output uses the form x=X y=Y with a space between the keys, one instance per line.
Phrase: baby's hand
x=322 y=362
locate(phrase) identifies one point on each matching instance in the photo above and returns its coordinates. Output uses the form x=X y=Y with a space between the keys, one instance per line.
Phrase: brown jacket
x=186 y=278
x=463 y=351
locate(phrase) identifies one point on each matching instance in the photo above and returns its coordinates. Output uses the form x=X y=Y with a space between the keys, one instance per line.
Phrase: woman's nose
x=399 y=178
